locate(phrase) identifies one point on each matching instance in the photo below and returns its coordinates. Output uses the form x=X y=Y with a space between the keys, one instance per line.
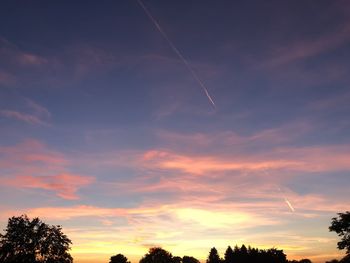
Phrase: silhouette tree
x=345 y=259
x=229 y=256
x=157 y=255
x=213 y=256
x=177 y=259
x=277 y=256
x=32 y=241
x=341 y=225
x=119 y=258
x=244 y=258
x=188 y=259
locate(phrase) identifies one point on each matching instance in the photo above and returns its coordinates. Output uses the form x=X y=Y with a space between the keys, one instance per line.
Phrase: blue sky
x=105 y=131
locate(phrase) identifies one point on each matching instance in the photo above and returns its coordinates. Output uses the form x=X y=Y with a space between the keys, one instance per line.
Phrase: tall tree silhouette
x=213 y=256
x=32 y=241
x=229 y=256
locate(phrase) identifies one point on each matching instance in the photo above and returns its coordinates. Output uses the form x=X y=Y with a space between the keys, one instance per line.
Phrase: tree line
x=33 y=241
x=241 y=254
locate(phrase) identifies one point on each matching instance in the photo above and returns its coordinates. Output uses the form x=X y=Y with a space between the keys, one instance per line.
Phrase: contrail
x=284 y=197
x=289 y=204
x=177 y=52
x=286 y=200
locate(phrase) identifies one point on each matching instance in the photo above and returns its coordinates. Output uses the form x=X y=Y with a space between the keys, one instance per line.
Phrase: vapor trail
x=177 y=52
x=283 y=195
x=289 y=204
x=286 y=200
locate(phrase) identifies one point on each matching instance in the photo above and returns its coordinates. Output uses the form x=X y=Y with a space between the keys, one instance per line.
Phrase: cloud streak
x=20 y=116
x=65 y=185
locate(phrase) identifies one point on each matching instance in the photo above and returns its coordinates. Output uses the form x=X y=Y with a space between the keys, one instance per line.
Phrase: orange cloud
x=64 y=185
x=31 y=164
x=309 y=159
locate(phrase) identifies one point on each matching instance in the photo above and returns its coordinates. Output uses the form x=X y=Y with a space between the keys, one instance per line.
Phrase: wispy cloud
x=38 y=109
x=32 y=164
x=308 y=159
x=225 y=140
x=12 y=54
x=64 y=185
x=306 y=48
x=35 y=115
x=20 y=116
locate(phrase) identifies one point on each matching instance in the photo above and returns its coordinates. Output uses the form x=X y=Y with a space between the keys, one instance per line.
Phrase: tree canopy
x=119 y=258
x=341 y=225
x=32 y=241
x=157 y=255
x=189 y=259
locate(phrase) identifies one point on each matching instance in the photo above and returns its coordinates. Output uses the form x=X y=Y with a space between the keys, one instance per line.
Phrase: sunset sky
x=107 y=132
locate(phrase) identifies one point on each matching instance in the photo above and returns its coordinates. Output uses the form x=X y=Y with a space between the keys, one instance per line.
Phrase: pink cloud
x=241 y=158
x=205 y=164
x=31 y=164
x=30 y=153
x=65 y=185
x=30 y=59
x=17 y=56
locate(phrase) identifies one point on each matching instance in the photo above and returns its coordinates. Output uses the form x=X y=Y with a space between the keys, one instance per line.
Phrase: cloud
x=31 y=153
x=38 y=109
x=14 y=55
x=31 y=164
x=306 y=48
x=28 y=118
x=333 y=102
x=230 y=140
x=165 y=214
x=307 y=159
x=206 y=164
x=65 y=185
x=38 y=115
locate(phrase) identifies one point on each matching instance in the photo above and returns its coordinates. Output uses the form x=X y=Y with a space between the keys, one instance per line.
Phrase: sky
x=106 y=126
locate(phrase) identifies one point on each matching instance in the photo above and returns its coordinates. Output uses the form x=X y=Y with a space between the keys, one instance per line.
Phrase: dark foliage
x=157 y=255
x=119 y=258
x=188 y=259
x=250 y=255
x=341 y=225
x=32 y=241
x=213 y=256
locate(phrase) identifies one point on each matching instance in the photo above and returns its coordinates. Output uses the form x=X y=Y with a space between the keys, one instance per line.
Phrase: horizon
x=179 y=124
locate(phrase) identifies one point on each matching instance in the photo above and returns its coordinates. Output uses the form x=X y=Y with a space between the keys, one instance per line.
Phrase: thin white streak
x=289 y=204
x=177 y=52
x=284 y=197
